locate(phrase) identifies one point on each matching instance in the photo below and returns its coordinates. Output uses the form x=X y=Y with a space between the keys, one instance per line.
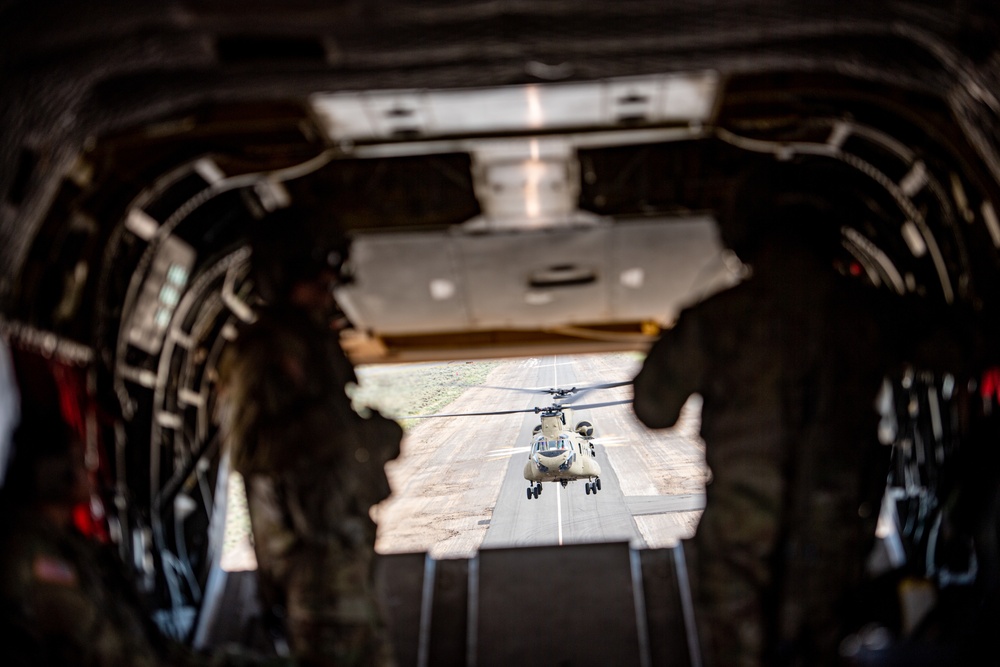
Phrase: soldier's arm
x=671 y=372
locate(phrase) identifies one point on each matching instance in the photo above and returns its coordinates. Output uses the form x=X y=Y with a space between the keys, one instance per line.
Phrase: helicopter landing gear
x=529 y=493
x=587 y=487
x=593 y=487
x=535 y=490
x=597 y=483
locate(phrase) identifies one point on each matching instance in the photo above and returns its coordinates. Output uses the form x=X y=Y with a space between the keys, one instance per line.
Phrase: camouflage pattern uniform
x=64 y=599
x=312 y=468
x=65 y=602
x=788 y=365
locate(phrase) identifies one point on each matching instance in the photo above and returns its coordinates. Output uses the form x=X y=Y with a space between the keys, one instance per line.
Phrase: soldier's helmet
x=289 y=246
x=777 y=205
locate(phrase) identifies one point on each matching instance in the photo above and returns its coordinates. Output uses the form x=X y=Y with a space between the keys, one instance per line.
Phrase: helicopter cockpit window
x=543 y=444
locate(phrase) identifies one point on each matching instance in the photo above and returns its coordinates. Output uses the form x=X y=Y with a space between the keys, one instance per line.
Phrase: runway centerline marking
x=559 y=511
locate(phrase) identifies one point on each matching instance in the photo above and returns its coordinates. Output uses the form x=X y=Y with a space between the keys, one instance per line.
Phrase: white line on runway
x=506 y=452
x=559 y=509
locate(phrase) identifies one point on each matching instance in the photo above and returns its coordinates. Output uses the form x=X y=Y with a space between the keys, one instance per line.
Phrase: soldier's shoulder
x=721 y=304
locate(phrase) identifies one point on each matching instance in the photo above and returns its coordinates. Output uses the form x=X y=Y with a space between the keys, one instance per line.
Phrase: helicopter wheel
x=597 y=482
x=587 y=486
x=529 y=493
x=536 y=491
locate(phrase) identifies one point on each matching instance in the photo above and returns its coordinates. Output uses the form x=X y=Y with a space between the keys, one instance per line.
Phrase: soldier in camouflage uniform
x=312 y=466
x=788 y=364
x=65 y=599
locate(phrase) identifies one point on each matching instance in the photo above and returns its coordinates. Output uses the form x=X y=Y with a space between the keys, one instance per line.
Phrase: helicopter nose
x=546 y=460
x=551 y=454
x=563 y=458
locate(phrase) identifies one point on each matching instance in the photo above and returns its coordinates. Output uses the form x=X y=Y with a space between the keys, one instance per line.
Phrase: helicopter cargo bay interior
x=533 y=193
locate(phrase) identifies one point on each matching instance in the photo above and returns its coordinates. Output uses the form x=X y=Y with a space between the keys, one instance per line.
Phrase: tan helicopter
x=558 y=453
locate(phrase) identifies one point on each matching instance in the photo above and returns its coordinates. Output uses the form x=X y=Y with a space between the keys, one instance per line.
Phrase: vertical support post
x=639 y=599
x=472 y=630
x=687 y=605
x=426 y=607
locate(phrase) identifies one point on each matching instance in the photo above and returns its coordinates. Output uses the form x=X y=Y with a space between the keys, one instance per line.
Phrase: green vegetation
x=417 y=389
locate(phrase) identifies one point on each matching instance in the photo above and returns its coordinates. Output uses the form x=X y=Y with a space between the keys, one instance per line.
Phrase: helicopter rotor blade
x=606 y=385
x=588 y=406
x=467 y=414
x=554 y=407
x=580 y=392
x=520 y=390
x=567 y=394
